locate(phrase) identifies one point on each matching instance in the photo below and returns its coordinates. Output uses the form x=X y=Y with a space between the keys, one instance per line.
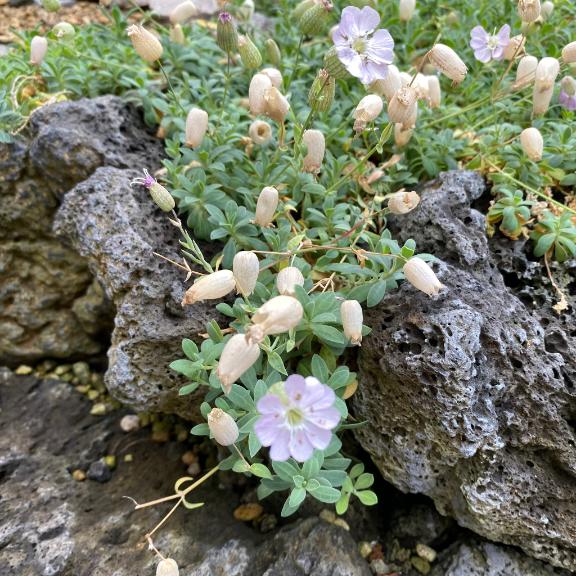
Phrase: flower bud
x=368 y=110
x=246 y=268
x=238 y=356
x=402 y=106
x=515 y=47
x=273 y=52
x=259 y=84
x=222 y=427
x=147 y=46
x=210 y=287
x=403 y=202
x=161 y=197
x=528 y=10
x=322 y=92
x=196 y=126
x=64 y=30
x=287 y=280
x=316 y=147
x=183 y=12
x=167 y=567
x=568 y=85
x=434 y=91
x=406 y=9
x=401 y=136
x=266 y=206
x=251 y=57
x=280 y=314
x=421 y=276
x=177 y=34
x=51 y=5
x=532 y=143
x=569 y=53
x=545 y=76
x=38 y=49
x=448 y=62
x=526 y=71
x=315 y=19
x=333 y=65
x=260 y=132
x=546 y=9
x=388 y=86
x=352 y=318
x=300 y=8
x=274 y=75
x=276 y=104
x=226 y=33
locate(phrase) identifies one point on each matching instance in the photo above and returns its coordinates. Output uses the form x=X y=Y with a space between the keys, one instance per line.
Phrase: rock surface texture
x=469 y=396
x=50 y=307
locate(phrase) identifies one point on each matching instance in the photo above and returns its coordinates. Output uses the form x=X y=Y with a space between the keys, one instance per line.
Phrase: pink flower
x=365 y=52
x=487 y=47
x=297 y=416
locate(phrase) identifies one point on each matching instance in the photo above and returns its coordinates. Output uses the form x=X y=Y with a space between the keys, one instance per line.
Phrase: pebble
x=420 y=564
x=81 y=371
x=267 y=523
x=193 y=469
x=110 y=461
x=93 y=394
x=248 y=512
x=62 y=369
x=99 y=472
x=79 y=475
x=189 y=458
x=327 y=515
x=128 y=458
x=342 y=523
x=424 y=551
x=379 y=566
x=365 y=549
x=129 y=423
x=99 y=409
x=23 y=370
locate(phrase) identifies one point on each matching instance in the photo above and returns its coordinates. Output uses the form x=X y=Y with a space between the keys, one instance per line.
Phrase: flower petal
x=377 y=70
x=326 y=418
x=504 y=35
x=318 y=437
x=478 y=43
x=300 y=447
x=295 y=387
x=270 y=404
x=479 y=33
x=351 y=61
x=498 y=53
x=349 y=22
x=317 y=397
x=267 y=429
x=382 y=41
x=368 y=20
x=280 y=450
x=483 y=55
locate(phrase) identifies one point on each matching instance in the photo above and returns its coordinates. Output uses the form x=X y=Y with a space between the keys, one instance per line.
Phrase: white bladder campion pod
x=276 y=104
x=274 y=75
x=196 y=126
x=38 y=49
x=434 y=91
x=526 y=71
x=403 y=202
x=532 y=143
x=368 y=110
x=238 y=356
x=402 y=136
x=569 y=53
x=403 y=105
x=245 y=267
x=183 y=12
x=259 y=84
x=260 y=132
x=352 y=318
x=210 y=287
x=266 y=206
x=315 y=149
x=167 y=567
x=223 y=427
x=406 y=9
x=147 y=46
x=421 y=276
x=529 y=10
x=546 y=73
x=280 y=314
x=388 y=86
x=444 y=59
x=287 y=280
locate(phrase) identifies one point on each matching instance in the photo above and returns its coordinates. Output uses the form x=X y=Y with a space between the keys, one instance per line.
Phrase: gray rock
x=99 y=472
x=464 y=400
x=117 y=228
x=50 y=304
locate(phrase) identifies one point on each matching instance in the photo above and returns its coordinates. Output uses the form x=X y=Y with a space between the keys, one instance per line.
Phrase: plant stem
x=171 y=88
x=293 y=71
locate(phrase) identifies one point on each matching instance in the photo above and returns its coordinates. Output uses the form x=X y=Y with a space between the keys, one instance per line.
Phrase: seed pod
x=259 y=84
x=300 y=8
x=406 y=9
x=568 y=85
x=352 y=318
x=515 y=47
x=64 y=30
x=183 y=12
x=280 y=314
x=276 y=104
x=388 y=86
x=223 y=427
x=147 y=46
x=51 y=5
x=196 y=126
x=266 y=206
x=314 y=20
x=421 y=276
x=434 y=91
x=167 y=567
x=246 y=268
x=226 y=33
x=316 y=147
x=368 y=110
x=546 y=73
x=251 y=57
x=177 y=34
x=274 y=75
x=546 y=9
x=420 y=84
x=532 y=143
x=402 y=106
x=38 y=49
x=273 y=52
x=246 y=11
x=322 y=92
x=529 y=10
x=161 y=197
x=287 y=280
x=401 y=136
x=210 y=287
x=448 y=62
x=526 y=71
x=238 y=356
x=260 y=132
x=333 y=65
x=569 y=53
x=403 y=202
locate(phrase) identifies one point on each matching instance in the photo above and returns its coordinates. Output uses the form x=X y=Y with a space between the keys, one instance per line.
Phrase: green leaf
x=364 y=481
x=188 y=389
x=326 y=494
x=276 y=362
x=376 y=294
x=240 y=397
x=328 y=334
x=319 y=368
x=260 y=470
x=253 y=444
x=189 y=348
x=342 y=504
x=201 y=430
x=285 y=470
x=356 y=470
x=367 y=497
x=297 y=496
x=186 y=367
x=312 y=485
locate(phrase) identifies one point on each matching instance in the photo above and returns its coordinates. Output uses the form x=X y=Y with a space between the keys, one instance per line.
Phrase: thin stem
x=170 y=87
x=293 y=71
x=241 y=455
x=562 y=303
x=164 y=520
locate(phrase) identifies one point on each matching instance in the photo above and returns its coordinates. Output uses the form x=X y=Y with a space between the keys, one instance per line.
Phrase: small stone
x=189 y=458
x=424 y=551
x=182 y=434
x=81 y=371
x=365 y=548
x=62 y=369
x=99 y=472
x=193 y=469
x=93 y=394
x=83 y=389
x=23 y=370
x=379 y=566
x=99 y=409
x=128 y=458
x=420 y=564
x=327 y=515
x=248 y=512
x=160 y=435
x=342 y=523
x=129 y=423
x=110 y=461
x=267 y=523
x=79 y=475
